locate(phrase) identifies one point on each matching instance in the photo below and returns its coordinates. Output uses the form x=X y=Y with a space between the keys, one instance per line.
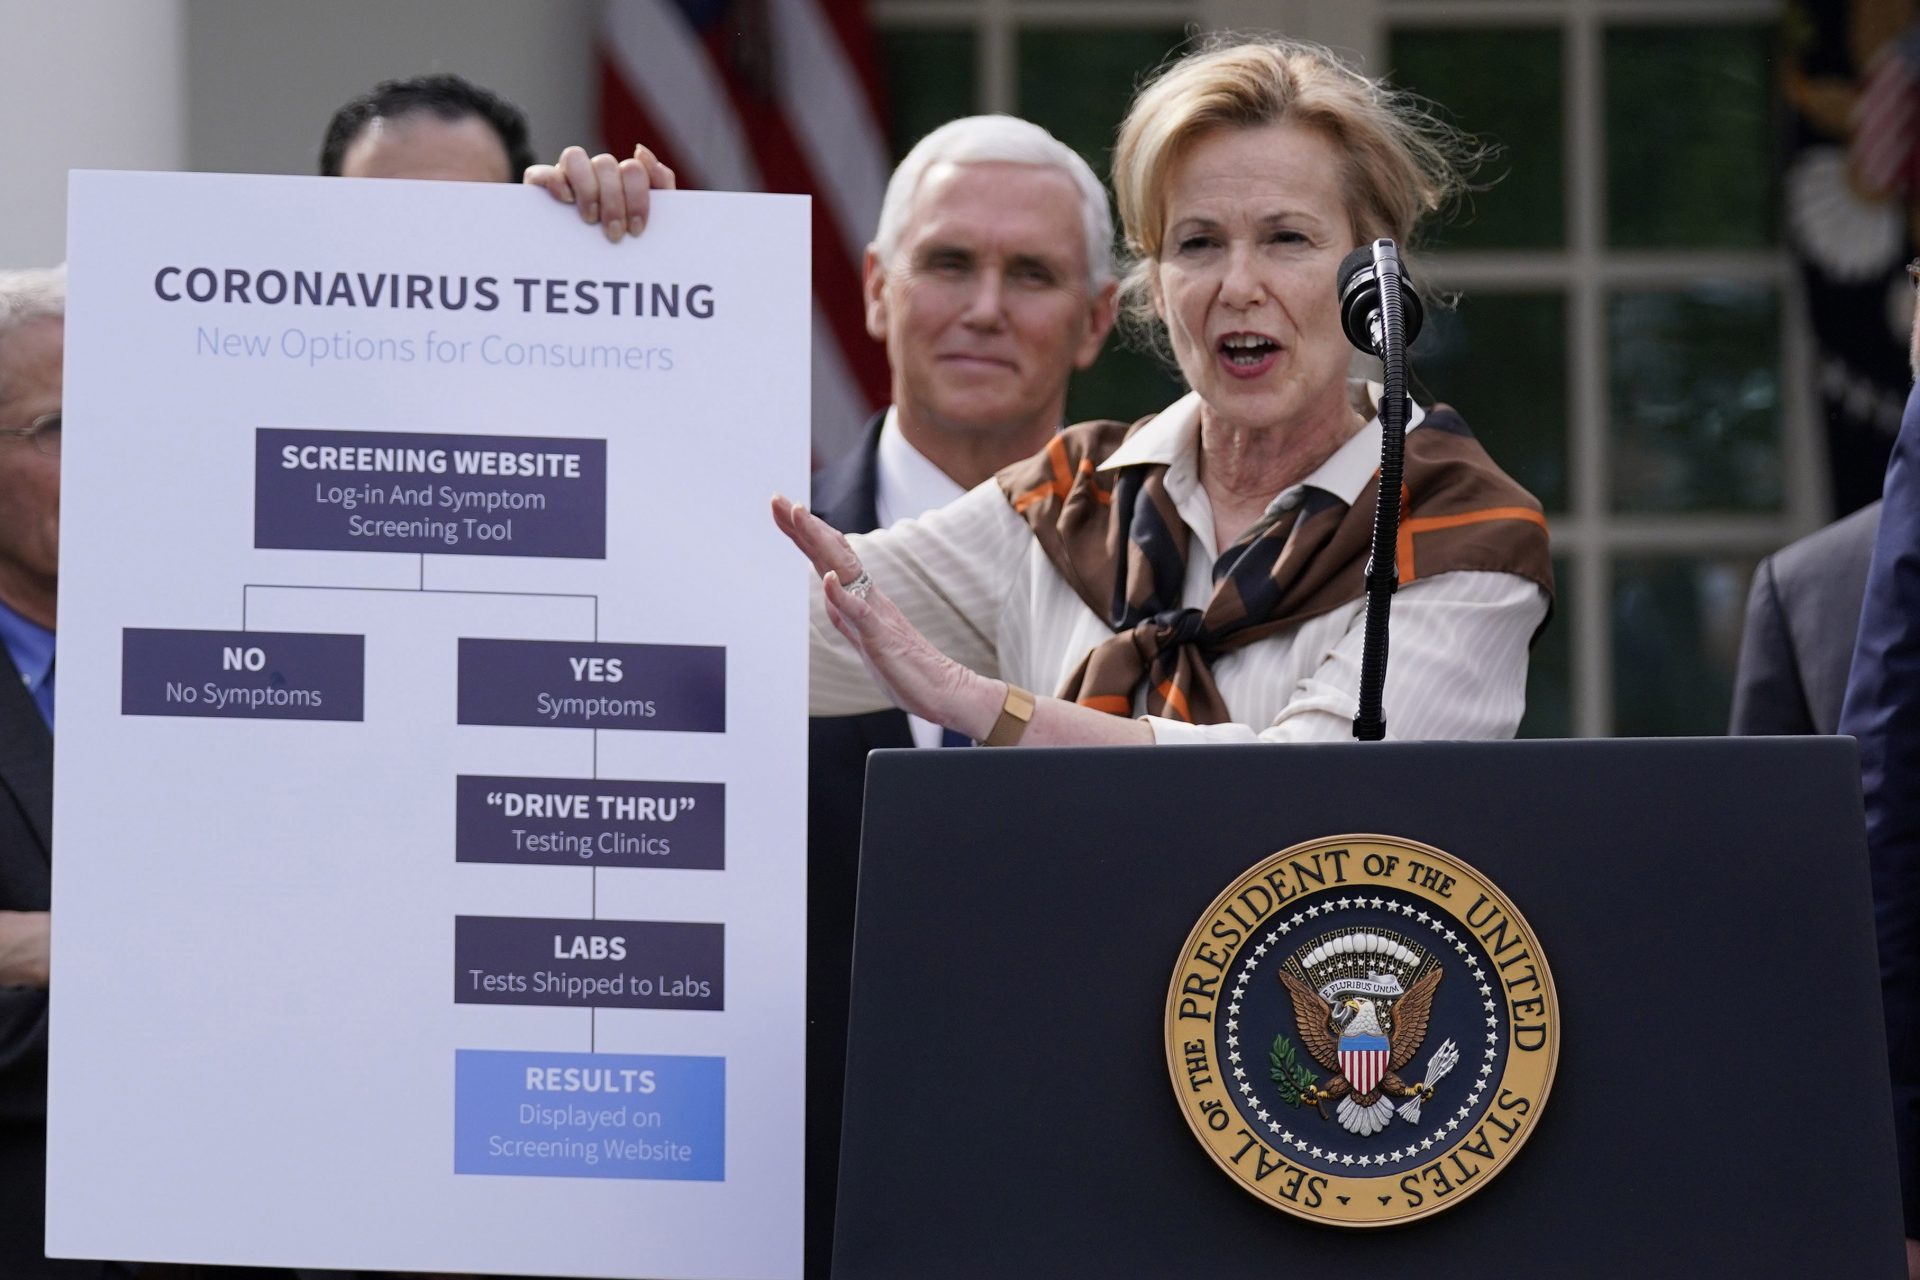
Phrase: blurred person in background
x=32 y=342
x=1802 y=613
x=435 y=126
x=1882 y=710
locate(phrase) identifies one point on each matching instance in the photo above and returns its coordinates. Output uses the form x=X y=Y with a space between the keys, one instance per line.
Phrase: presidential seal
x=1362 y=1030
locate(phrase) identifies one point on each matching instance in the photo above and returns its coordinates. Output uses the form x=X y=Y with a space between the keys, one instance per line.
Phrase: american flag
x=1884 y=146
x=768 y=95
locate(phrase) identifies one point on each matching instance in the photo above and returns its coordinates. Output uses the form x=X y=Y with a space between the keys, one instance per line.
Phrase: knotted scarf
x=1117 y=539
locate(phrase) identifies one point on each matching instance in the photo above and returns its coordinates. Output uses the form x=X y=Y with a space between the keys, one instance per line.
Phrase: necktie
x=43 y=696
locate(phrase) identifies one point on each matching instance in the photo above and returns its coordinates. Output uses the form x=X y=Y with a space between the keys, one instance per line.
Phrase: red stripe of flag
x=624 y=121
x=848 y=19
x=1882 y=147
x=783 y=167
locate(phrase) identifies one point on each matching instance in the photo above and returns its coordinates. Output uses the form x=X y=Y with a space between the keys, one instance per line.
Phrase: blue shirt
x=30 y=645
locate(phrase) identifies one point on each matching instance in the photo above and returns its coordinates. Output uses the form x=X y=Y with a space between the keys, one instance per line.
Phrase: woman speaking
x=1197 y=576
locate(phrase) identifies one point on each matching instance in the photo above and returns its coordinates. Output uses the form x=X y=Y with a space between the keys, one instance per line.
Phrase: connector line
x=422 y=589
x=593 y=913
x=432 y=591
x=593 y=1012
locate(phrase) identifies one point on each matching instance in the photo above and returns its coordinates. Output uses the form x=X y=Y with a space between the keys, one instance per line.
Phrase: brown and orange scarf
x=1118 y=541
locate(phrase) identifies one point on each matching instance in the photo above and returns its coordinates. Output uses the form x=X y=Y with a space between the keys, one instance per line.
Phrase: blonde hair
x=1399 y=164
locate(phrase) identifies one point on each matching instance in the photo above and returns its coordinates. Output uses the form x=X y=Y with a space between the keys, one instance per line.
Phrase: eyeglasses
x=43 y=433
x=1913 y=272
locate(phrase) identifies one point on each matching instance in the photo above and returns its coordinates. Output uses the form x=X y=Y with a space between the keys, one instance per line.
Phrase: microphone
x=1361 y=273
x=1381 y=313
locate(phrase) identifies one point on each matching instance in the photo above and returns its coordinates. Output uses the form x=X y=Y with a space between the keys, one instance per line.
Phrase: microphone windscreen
x=1352 y=263
x=1359 y=299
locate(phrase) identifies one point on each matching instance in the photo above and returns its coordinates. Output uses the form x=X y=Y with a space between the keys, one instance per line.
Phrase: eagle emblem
x=1361 y=999
x=1314 y=1011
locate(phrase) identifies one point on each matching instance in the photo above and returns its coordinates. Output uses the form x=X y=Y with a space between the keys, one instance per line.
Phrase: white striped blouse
x=974 y=580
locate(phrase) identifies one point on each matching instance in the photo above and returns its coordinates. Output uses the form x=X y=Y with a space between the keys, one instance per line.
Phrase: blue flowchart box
x=590 y=1115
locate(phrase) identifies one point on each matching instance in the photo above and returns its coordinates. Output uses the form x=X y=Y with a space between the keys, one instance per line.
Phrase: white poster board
x=429 y=883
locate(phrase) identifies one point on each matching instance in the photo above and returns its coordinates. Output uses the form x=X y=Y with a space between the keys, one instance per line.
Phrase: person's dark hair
x=447 y=96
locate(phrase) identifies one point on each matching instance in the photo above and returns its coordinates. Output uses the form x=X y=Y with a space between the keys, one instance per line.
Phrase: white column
x=84 y=84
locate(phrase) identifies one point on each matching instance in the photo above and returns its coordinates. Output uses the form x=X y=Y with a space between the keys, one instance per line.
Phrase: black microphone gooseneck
x=1381 y=315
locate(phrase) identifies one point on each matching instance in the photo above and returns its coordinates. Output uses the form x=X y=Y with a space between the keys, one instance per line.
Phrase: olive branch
x=1295 y=1081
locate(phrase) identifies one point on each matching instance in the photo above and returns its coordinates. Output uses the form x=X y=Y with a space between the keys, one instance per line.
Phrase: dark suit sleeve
x=23 y=1027
x=23 y=1054
x=1883 y=711
x=1767 y=694
x=23 y=1010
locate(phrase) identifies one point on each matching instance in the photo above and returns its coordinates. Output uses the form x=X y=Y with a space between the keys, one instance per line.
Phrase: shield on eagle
x=1363 y=1060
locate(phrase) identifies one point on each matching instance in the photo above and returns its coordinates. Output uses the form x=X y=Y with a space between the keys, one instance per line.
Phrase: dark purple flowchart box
x=572 y=822
x=244 y=675
x=603 y=964
x=444 y=494
x=566 y=684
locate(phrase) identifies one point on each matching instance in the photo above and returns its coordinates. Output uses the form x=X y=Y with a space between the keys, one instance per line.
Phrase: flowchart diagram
x=526 y=1113
x=431 y=882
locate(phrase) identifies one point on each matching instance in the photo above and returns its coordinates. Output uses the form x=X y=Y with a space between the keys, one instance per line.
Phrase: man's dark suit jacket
x=1883 y=712
x=1802 y=615
x=26 y=839
x=843 y=496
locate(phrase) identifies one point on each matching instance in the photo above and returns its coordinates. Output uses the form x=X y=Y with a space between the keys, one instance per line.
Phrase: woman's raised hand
x=614 y=193
x=916 y=676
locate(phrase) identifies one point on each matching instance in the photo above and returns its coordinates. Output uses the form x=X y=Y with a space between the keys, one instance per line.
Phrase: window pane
x=1691 y=137
x=1550 y=672
x=1695 y=388
x=930 y=81
x=1676 y=635
x=1124 y=384
x=1501 y=360
x=1504 y=87
x=1077 y=81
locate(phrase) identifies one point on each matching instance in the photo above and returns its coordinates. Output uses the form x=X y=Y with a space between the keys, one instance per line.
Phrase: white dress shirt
x=906 y=483
x=974 y=580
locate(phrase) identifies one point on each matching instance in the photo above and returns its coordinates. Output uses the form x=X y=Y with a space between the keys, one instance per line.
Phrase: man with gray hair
x=990 y=280
x=32 y=337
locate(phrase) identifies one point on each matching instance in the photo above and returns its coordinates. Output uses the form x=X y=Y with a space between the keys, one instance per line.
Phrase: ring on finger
x=859 y=587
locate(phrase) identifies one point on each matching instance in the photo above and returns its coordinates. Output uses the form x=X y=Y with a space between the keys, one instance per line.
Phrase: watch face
x=1016 y=710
